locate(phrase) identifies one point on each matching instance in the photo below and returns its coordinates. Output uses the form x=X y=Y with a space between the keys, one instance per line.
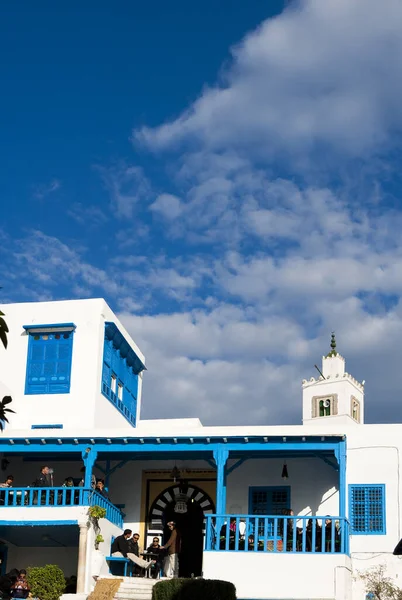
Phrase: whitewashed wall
x=22 y=558
x=84 y=407
x=266 y=575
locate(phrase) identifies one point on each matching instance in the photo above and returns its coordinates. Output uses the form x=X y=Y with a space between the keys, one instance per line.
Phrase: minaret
x=335 y=396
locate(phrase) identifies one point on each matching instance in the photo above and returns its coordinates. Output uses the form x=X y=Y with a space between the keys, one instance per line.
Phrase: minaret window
x=355 y=409
x=325 y=407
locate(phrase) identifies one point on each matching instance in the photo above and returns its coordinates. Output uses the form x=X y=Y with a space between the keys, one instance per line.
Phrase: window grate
x=49 y=362
x=367 y=509
x=119 y=381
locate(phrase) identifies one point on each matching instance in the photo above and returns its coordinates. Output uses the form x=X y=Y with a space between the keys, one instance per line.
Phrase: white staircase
x=135 y=588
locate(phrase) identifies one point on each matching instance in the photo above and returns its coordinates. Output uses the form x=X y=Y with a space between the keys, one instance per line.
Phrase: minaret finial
x=333 y=351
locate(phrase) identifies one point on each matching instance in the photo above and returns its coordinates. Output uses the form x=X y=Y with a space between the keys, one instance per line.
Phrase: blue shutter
x=49 y=363
x=115 y=363
x=367 y=509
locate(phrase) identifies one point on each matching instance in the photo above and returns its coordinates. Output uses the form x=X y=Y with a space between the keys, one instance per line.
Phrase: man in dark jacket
x=155 y=548
x=121 y=548
x=44 y=478
x=135 y=549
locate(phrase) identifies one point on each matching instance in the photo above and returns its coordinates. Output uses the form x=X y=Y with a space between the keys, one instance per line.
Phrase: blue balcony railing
x=58 y=497
x=265 y=533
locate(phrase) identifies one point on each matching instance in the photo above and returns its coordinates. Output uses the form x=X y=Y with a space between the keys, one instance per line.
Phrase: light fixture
x=285 y=474
x=180 y=506
x=175 y=474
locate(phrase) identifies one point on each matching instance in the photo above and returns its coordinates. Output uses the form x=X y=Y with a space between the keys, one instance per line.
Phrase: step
x=141 y=595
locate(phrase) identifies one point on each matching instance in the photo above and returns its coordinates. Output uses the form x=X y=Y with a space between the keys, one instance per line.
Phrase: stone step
x=141 y=595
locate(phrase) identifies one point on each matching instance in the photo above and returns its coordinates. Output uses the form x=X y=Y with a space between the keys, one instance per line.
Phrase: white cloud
x=128 y=186
x=45 y=189
x=89 y=215
x=323 y=74
x=168 y=206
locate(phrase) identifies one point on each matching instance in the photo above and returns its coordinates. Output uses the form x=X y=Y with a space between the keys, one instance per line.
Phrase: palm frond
x=3 y=330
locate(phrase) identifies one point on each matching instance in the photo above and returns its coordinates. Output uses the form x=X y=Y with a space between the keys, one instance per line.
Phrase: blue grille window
x=367 y=509
x=269 y=500
x=121 y=368
x=49 y=362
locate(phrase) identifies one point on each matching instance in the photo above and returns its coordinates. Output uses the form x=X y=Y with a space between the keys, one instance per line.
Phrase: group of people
x=45 y=480
x=164 y=557
x=14 y=584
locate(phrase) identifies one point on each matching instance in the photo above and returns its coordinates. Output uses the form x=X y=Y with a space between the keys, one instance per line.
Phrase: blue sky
x=226 y=175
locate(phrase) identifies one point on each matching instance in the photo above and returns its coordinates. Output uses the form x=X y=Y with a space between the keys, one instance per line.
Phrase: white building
x=75 y=376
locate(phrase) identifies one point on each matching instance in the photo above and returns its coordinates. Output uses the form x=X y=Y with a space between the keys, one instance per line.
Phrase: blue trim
x=370 y=519
x=37 y=523
x=276 y=533
x=121 y=367
x=113 y=334
x=342 y=478
x=179 y=445
x=221 y=455
x=51 y=327
x=49 y=362
x=60 y=497
x=56 y=426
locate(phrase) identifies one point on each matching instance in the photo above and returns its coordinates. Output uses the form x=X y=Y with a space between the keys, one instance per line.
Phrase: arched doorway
x=190 y=523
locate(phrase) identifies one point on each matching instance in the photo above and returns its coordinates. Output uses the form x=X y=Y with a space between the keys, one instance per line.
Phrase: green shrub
x=194 y=589
x=46 y=583
x=167 y=590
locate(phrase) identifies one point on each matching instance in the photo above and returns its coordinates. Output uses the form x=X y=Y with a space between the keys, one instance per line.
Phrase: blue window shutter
x=367 y=509
x=115 y=363
x=49 y=363
x=269 y=500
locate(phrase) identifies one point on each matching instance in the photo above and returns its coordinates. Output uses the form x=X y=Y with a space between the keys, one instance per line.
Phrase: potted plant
x=98 y=540
x=95 y=513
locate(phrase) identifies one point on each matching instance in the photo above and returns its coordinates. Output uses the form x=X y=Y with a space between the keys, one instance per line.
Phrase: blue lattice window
x=121 y=367
x=268 y=501
x=367 y=509
x=50 y=350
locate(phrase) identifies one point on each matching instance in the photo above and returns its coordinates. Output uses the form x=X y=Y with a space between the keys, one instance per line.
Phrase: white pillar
x=82 y=557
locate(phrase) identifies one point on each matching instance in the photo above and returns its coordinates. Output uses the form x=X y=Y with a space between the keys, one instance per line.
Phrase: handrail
x=59 y=497
x=277 y=533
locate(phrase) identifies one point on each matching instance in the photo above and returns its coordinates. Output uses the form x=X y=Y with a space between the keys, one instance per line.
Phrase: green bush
x=167 y=590
x=194 y=589
x=46 y=583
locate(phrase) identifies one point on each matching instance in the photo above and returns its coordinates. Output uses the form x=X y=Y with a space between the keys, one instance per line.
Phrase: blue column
x=342 y=478
x=221 y=455
x=89 y=457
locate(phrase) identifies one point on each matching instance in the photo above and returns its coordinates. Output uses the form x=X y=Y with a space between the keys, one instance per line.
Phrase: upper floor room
x=70 y=365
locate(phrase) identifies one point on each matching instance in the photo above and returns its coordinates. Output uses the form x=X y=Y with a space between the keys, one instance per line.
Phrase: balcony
x=265 y=533
x=62 y=503
x=279 y=556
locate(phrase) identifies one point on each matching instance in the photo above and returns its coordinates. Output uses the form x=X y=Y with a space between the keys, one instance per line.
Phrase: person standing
x=44 y=478
x=171 y=566
x=100 y=488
